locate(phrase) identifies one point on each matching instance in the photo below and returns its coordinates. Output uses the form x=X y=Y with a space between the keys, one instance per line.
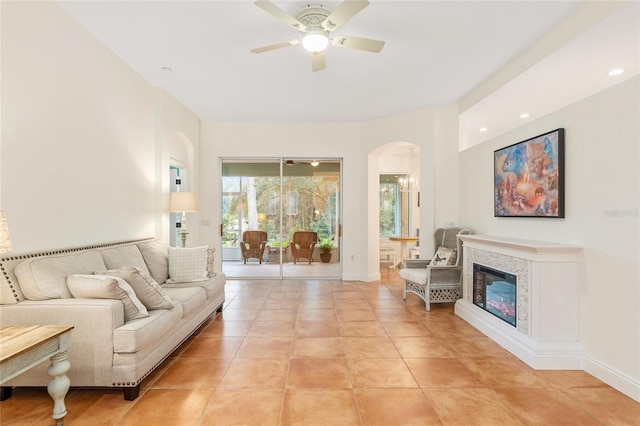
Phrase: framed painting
x=528 y=177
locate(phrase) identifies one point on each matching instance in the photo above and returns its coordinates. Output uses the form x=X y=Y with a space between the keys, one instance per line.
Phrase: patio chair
x=253 y=244
x=302 y=245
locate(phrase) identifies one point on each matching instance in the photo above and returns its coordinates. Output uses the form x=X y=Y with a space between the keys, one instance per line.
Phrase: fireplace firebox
x=495 y=292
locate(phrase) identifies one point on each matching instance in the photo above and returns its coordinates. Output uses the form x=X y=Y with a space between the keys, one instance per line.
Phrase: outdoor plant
x=326 y=245
x=276 y=243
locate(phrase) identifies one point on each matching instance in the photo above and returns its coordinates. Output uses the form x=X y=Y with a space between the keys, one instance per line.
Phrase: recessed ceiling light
x=524 y=115
x=482 y=129
x=616 y=71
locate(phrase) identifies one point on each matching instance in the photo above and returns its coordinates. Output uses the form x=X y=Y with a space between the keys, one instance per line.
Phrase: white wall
x=286 y=140
x=602 y=204
x=79 y=135
x=434 y=130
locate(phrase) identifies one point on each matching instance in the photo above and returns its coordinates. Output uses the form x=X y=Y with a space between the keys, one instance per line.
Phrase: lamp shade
x=183 y=202
x=5 y=238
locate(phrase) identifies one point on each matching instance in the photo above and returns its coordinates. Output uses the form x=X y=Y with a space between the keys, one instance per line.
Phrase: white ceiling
x=436 y=52
x=498 y=59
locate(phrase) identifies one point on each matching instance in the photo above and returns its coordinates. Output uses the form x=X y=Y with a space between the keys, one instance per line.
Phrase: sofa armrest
x=91 y=350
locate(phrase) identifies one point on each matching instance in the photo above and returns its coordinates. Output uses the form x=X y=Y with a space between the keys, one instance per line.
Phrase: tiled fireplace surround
x=546 y=331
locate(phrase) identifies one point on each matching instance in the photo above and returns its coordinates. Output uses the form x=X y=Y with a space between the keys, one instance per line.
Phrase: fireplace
x=495 y=292
x=545 y=334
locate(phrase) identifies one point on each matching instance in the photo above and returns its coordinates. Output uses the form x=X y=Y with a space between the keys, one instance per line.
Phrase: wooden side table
x=403 y=245
x=25 y=346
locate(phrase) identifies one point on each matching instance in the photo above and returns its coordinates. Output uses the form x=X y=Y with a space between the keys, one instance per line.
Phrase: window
x=396 y=216
x=389 y=206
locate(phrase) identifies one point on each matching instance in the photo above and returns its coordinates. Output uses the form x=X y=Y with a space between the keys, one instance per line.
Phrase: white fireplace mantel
x=546 y=331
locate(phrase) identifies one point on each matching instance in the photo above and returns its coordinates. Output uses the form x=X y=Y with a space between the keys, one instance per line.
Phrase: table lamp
x=183 y=202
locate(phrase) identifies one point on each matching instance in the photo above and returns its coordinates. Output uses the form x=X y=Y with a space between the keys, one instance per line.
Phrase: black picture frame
x=528 y=177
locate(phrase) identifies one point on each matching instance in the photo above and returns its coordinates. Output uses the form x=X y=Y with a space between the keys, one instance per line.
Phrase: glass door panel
x=250 y=202
x=280 y=198
x=311 y=194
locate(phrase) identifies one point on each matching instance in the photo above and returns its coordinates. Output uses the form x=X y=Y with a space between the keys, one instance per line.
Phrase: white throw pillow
x=188 y=264
x=106 y=287
x=146 y=288
x=442 y=256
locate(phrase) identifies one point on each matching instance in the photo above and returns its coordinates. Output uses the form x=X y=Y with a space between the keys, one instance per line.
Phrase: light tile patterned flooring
x=338 y=353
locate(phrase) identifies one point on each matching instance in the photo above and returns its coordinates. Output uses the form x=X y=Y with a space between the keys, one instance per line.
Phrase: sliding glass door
x=291 y=208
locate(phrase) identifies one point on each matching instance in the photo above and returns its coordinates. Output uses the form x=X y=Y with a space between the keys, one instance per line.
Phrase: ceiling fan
x=317 y=22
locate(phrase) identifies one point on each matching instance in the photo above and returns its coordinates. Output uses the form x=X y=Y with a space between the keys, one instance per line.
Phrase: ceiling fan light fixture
x=315 y=42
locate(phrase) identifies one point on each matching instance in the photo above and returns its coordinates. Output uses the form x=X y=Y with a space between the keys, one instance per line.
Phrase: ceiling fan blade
x=275 y=46
x=358 y=43
x=318 y=61
x=280 y=14
x=345 y=11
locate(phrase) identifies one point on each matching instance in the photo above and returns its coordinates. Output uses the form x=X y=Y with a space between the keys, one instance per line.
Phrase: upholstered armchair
x=253 y=244
x=302 y=245
x=439 y=279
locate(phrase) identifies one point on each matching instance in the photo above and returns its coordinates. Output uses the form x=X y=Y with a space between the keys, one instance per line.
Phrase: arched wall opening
x=389 y=163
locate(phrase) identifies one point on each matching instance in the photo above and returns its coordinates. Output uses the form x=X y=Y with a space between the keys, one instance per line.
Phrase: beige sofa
x=106 y=350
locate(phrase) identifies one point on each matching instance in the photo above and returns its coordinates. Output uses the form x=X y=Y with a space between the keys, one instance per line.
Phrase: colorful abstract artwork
x=529 y=177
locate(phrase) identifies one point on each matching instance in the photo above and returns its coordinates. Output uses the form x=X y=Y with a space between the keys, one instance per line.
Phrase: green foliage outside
x=326 y=245
x=388 y=209
x=311 y=206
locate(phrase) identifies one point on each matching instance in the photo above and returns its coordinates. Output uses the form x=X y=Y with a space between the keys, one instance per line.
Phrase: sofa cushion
x=46 y=277
x=192 y=299
x=146 y=288
x=156 y=257
x=212 y=286
x=136 y=335
x=84 y=286
x=117 y=257
x=188 y=264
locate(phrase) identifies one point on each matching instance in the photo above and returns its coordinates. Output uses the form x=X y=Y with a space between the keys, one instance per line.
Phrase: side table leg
x=59 y=385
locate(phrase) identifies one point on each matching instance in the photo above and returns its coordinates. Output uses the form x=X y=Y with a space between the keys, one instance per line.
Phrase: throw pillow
x=46 y=277
x=154 y=253
x=188 y=264
x=442 y=256
x=105 y=287
x=146 y=288
x=210 y=259
x=454 y=258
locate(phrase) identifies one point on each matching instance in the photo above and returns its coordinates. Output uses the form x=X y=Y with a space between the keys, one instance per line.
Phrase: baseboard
x=548 y=356
x=538 y=355
x=617 y=380
x=364 y=278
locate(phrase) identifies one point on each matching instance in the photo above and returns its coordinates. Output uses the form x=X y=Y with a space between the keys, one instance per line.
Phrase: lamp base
x=183 y=237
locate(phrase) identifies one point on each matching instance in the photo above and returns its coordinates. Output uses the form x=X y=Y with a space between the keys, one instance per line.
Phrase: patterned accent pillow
x=442 y=256
x=454 y=258
x=146 y=288
x=188 y=264
x=104 y=287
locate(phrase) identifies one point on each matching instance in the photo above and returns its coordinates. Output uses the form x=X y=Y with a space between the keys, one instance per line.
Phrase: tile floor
x=338 y=353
